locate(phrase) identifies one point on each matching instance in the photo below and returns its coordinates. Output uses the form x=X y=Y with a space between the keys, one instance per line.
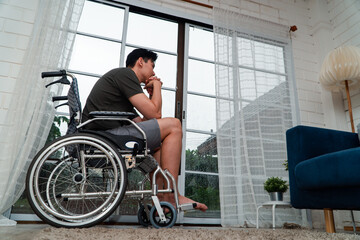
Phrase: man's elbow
x=158 y=115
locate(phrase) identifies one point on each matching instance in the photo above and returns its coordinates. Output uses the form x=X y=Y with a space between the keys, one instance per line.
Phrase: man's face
x=148 y=69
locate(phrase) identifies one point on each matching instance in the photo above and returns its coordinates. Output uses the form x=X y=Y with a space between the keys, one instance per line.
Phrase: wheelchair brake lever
x=62 y=80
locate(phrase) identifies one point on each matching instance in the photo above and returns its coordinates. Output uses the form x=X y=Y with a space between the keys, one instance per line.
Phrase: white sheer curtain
x=31 y=110
x=255 y=106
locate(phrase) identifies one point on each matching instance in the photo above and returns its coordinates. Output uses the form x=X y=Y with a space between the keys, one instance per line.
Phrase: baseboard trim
x=350 y=228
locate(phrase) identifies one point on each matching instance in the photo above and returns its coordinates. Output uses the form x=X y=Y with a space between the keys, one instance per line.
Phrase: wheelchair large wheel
x=76 y=181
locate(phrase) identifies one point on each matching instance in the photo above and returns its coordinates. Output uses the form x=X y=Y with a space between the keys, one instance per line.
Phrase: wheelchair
x=80 y=179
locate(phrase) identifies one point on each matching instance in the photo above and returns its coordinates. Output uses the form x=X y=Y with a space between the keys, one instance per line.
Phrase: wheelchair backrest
x=74 y=106
x=124 y=142
x=73 y=97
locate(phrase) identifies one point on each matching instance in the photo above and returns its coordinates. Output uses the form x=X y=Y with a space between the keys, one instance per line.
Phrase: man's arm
x=149 y=108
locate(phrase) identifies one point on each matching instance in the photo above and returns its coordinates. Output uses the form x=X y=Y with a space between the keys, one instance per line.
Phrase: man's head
x=142 y=62
x=140 y=53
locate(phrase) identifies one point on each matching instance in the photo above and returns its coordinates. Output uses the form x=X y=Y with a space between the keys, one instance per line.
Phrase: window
x=199 y=125
x=160 y=36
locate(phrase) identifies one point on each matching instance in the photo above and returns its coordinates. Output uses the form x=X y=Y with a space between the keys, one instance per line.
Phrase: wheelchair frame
x=87 y=183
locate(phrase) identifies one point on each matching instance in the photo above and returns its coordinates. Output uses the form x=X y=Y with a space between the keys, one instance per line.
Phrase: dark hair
x=137 y=53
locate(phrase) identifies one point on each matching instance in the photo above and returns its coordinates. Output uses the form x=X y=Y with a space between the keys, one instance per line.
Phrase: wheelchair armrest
x=128 y=115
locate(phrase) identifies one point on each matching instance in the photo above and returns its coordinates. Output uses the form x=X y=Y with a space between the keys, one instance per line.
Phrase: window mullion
x=180 y=71
x=125 y=28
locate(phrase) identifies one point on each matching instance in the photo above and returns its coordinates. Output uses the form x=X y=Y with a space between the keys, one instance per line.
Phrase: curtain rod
x=198 y=3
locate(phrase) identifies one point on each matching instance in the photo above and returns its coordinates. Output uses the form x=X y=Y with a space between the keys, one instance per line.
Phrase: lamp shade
x=341 y=64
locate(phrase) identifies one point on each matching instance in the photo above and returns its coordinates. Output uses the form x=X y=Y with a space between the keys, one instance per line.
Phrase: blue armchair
x=324 y=170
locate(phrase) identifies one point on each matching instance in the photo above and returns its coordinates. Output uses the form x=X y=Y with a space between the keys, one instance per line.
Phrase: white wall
x=16 y=22
x=344 y=17
x=345 y=20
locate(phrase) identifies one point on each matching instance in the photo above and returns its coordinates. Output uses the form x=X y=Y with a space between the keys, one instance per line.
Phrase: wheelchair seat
x=123 y=142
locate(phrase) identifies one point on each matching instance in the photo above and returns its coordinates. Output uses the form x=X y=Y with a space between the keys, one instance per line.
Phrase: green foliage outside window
x=201 y=187
x=195 y=161
x=55 y=128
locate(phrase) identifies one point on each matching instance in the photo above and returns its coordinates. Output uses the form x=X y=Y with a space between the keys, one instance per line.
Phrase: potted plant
x=276 y=187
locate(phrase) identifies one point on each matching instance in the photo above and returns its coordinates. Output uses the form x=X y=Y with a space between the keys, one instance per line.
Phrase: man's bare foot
x=199 y=206
x=182 y=200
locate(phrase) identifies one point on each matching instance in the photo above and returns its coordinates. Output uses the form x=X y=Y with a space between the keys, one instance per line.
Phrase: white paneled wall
x=345 y=20
x=16 y=22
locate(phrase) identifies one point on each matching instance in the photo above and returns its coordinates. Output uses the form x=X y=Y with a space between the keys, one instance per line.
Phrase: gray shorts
x=150 y=127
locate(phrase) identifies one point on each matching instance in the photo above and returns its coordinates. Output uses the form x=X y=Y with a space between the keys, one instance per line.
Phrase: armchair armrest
x=304 y=142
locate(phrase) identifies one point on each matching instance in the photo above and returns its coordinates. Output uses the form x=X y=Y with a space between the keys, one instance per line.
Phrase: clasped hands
x=149 y=84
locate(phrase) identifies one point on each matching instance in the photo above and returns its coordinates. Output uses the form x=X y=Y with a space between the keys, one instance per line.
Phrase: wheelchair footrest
x=187 y=206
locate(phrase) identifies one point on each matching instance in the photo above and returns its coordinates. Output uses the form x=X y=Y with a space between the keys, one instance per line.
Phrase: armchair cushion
x=333 y=170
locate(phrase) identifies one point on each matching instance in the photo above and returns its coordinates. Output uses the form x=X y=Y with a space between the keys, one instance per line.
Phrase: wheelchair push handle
x=53 y=74
x=61 y=73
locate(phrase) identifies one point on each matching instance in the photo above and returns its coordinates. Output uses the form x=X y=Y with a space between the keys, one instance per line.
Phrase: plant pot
x=276 y=196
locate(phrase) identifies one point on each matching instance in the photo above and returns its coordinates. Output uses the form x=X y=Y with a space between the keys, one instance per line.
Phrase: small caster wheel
x=170 y=215
x=143 y=217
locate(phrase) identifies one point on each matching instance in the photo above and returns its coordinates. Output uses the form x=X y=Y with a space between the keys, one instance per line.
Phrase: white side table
x=273 y=205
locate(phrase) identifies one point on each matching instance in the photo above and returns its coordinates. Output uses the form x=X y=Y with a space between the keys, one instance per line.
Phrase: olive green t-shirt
x=111 y=93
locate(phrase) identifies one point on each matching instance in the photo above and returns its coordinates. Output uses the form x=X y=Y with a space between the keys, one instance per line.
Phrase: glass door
x=200 y=179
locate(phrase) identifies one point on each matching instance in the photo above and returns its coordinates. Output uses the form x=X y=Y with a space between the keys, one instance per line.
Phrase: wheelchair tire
x=143 y=217
x=170 y=215
x=76 y=181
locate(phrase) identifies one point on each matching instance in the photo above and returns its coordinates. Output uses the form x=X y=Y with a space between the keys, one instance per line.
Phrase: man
x=120 y=90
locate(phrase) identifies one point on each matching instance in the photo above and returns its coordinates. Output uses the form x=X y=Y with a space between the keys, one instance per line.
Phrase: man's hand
x=149 y=107
x=149 y=84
